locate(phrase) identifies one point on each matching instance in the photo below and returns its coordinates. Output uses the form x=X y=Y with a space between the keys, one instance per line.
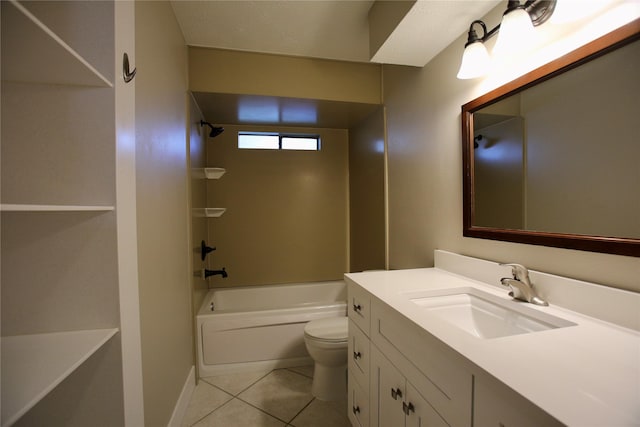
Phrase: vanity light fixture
x=515 y=30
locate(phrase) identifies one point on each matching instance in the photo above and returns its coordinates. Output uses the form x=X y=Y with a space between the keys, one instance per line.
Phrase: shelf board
x=208 y=173
x=209 y=212
x=35 y=54
x=214 y=173
x=33 y=365
x=6 y=207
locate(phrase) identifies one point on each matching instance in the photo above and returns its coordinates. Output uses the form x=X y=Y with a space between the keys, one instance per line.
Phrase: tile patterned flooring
x=278 y=398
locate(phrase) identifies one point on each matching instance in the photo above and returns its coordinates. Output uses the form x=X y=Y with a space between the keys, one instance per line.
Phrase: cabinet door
x=358 y=404
x=388 y=391
x=358 y=354
x=419 y=413
x=359 y=306
x=495 y=405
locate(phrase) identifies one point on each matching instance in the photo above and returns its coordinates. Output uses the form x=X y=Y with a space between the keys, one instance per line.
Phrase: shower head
x=476 y=140
x=215 y=130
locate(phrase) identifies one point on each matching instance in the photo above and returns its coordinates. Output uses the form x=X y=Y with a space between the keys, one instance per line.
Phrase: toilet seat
x=329 y=330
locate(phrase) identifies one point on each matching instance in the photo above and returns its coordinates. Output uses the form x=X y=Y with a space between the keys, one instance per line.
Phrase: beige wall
x=161 y=159
x=286 y=218
x=366 y=194
x=425 y=178
x=581 y=159
x=225 y=71
x=498 y=164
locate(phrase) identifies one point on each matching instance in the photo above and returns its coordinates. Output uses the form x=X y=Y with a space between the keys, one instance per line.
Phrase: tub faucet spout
x=204 y=273
x=222 y=272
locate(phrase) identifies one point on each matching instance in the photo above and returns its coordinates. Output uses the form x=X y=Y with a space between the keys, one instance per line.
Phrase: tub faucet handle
x=204 y=250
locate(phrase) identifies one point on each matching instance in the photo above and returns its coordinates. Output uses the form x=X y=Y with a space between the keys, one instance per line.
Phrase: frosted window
x=259 y=141
x=277 y=141
x=299 y=143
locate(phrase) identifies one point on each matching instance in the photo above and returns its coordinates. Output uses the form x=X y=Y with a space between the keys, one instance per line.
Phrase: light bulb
x=516 y=32
x=475 y=61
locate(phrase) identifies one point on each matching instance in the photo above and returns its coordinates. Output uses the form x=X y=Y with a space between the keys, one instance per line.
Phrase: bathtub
x=262 y=327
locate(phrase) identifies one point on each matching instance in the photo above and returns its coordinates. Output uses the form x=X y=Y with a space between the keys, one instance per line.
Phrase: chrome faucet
x=521 y=287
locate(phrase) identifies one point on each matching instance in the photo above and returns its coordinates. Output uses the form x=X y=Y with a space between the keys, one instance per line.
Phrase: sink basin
x=484 y=315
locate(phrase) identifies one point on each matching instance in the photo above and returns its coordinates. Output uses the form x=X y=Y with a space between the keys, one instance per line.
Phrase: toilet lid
x=329 y=329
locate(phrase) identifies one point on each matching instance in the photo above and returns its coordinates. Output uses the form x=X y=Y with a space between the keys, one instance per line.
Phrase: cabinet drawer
x=437 y=372
x=358 y=404
x=359 y=355
x=359 y=305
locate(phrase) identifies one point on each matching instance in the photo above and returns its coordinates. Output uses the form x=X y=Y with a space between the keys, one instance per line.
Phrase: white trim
x=126 y=220
x=183 y=401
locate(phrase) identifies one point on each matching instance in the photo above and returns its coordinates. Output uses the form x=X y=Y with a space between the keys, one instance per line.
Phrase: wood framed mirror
x=553 y=157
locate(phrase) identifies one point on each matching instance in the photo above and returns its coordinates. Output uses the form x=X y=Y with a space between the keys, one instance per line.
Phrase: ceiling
x=328 y=29
x=229 y=108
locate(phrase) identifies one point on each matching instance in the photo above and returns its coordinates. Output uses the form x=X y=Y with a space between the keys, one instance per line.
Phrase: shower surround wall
x=287 y=211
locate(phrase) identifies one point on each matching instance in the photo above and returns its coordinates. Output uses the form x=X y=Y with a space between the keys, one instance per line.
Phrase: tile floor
x=277 y=398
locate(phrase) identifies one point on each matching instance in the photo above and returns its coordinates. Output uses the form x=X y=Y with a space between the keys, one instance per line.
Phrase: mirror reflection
x=562 y=156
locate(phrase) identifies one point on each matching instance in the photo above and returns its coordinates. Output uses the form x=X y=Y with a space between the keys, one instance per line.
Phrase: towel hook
x=126 y=74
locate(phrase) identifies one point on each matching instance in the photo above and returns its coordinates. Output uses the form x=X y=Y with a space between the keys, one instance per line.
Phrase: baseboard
x=183 y=401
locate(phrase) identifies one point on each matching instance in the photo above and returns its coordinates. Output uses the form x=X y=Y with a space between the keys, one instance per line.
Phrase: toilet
x=326 y=342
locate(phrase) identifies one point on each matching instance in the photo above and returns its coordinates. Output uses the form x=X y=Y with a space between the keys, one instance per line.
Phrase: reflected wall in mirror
x=552 y=158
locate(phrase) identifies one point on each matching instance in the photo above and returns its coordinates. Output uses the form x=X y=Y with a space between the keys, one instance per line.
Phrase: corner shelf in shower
x=7 y=207
x=208 y=173
x=33 y=365
x=214 y=173
x=38 y=55
x=209 y=212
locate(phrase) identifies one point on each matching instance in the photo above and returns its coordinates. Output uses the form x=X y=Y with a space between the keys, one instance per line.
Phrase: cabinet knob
x=356 y=409
x=408 y=408
x=396 y=393
x=357 y=355
x=357 y=308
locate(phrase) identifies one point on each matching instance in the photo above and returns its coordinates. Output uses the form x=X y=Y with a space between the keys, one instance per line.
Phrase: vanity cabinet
x=384 y=350
x=438 y=374
x=398 y=402
x=401 y=375
x=359 y=357
x=495 y=405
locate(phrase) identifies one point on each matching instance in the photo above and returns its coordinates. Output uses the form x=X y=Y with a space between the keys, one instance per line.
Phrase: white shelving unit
x=38 y=55
x=32 y=365
x=208 y=173
x=60 y=272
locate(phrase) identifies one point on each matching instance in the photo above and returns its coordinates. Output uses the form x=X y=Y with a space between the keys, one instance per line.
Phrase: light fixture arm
x=486 y=35
x=539 y=10
x=475 y=57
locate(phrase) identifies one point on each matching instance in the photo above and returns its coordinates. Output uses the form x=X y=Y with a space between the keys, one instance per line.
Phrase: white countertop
x=583 y=375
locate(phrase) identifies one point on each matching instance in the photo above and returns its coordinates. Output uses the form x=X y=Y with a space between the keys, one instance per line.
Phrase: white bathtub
x=262 y=327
